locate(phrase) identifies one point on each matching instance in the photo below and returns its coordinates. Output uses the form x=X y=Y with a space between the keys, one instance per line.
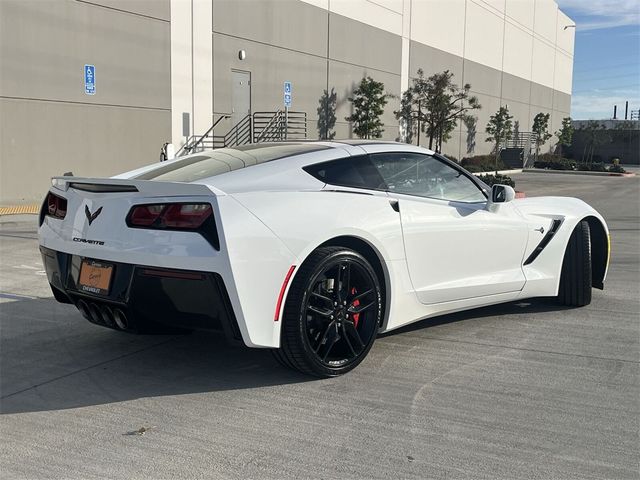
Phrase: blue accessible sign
x=287 y=94
x=90 y=79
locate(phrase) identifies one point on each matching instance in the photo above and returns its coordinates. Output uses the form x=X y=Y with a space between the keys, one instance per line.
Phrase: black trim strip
x=102 y=187
x=555 y=226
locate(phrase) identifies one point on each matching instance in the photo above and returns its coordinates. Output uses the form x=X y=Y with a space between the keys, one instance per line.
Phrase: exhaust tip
x=96 y=316
x=107 y=316
x=84 y=309
x=120 y=319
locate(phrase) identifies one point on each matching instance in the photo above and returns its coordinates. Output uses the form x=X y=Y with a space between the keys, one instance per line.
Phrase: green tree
x=434 y=105
x=327 y=114
x=368 y=100
x=446 y=104
x=500 y=129
x=407 y=115
x=541 y=129
x=565 y=134
x=471 y=123
x=596 y=134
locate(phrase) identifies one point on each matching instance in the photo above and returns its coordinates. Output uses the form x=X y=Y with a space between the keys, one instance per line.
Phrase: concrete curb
x=578 y=172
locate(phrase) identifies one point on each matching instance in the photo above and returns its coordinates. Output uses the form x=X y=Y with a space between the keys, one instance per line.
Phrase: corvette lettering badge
x=91 y=216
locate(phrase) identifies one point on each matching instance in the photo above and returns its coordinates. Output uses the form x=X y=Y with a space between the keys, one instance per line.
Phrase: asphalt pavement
x=521 y=390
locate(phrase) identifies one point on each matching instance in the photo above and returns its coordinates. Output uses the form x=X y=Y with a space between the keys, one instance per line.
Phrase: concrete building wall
x=164 y=70
x=48 y=125
x=512 y=52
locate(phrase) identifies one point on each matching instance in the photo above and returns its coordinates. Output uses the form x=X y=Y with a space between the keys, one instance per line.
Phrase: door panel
x=457 y=251
x=240 y=95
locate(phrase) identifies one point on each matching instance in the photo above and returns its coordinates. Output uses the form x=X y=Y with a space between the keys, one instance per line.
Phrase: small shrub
x=497 y=179
x=550 y=157
x=556 y=164
x=483 y=163
x=592 y=167
x=616 y=168
x=452 y=158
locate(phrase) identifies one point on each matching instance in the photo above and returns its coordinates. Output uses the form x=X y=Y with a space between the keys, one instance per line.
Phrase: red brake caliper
x=356 y=316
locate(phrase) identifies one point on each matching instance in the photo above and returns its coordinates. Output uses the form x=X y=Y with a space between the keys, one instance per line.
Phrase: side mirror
x=500 y=194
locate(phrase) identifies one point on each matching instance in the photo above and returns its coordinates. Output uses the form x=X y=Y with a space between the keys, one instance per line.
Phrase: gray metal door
x=240 y=95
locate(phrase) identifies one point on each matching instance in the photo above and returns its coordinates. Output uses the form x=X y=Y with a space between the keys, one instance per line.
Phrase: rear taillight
x=170 y=216
x=56 y=206
x=196 y=217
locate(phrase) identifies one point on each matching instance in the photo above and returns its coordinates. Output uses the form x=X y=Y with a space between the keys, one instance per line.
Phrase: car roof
x=270 y=157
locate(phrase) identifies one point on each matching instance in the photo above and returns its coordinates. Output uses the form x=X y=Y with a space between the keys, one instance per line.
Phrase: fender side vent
x=544 y=242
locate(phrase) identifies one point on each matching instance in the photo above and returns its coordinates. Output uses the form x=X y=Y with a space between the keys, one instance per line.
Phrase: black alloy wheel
x=332 y=313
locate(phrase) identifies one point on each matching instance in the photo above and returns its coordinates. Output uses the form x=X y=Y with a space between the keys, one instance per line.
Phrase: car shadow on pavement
x=53 y=359
x=519 y=307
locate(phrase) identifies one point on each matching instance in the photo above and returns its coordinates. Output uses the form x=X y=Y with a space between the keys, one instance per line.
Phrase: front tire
x=332 y=313
x=575 y=279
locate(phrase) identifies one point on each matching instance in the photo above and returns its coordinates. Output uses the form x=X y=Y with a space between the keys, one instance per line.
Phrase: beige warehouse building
x=165 y=70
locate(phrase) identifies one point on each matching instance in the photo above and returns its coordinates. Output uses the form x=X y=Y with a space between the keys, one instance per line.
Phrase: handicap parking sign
x=287 y=94
x=90 y=79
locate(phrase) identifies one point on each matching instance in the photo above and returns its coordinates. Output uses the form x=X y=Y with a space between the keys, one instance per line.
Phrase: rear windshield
x=209 y=164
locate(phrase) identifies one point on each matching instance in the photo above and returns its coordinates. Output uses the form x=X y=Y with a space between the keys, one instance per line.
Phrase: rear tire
x=332 y=313
x=575 y=279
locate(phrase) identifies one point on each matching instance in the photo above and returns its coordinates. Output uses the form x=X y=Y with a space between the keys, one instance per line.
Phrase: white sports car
x=309 y=248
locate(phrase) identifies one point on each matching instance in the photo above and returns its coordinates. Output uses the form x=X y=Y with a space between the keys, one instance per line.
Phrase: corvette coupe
x=309 y=248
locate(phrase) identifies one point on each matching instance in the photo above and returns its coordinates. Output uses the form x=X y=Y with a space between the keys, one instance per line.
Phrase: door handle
x=395 y=205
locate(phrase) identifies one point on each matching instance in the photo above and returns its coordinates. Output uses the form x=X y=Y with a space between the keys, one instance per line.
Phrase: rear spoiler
x=147 y=187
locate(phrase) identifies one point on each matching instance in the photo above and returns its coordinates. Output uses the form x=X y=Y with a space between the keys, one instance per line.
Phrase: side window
x=425 y=176
x=349 y=172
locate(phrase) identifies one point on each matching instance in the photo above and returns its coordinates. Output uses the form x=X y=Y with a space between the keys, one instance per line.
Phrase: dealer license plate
x=95 y=277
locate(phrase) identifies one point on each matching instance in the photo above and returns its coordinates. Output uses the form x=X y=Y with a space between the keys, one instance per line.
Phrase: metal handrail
x=189 y=148
x=266 y=129
x=279 y=125
x=240 y=134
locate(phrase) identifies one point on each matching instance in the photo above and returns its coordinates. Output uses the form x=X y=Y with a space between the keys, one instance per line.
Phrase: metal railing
x=260 y=127
x=198 y=143
x=279 y=126
x=240 y=134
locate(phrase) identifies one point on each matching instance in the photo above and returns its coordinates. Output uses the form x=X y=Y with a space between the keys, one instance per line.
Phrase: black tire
x=328 y=331
x=575 y=279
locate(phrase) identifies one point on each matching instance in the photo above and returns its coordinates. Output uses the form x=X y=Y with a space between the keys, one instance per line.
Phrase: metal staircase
x=260 y=127
x=524 y=144
x=279 y=126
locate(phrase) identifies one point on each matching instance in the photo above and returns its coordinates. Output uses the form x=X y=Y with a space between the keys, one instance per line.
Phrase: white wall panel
x=563 y=72
x=181 y=86
x=545 y=19
x=483 y=42
x=318 y=3
x=521 y=11
x=439 y=24
x=543 y=59
x=370 y=13
x=518 y=45
x=395 y=5
x=498 y=6
x=565 y=37
x=202 y=66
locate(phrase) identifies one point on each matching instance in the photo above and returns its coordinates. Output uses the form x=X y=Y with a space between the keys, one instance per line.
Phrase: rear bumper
x=141 y=298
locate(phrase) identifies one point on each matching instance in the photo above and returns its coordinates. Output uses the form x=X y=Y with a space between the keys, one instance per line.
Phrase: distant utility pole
x=626 y=109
